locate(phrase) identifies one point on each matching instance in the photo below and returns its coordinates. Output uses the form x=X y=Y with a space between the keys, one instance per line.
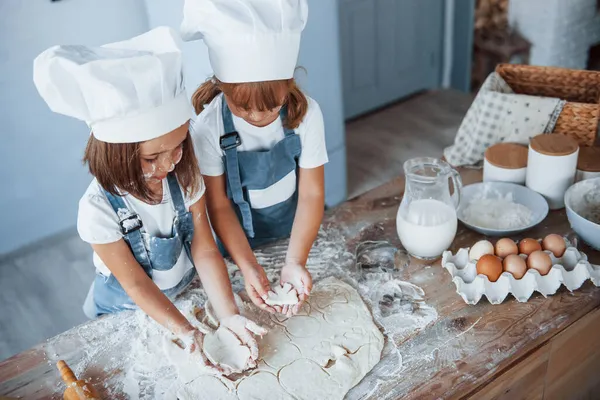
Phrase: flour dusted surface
x=123 y=358
x=318 y=354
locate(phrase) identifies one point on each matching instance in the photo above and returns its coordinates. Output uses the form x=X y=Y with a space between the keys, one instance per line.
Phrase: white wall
x=561 y=32
x=40 y=153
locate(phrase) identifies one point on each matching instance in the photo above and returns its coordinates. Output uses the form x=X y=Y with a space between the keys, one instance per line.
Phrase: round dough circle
x=303 y=326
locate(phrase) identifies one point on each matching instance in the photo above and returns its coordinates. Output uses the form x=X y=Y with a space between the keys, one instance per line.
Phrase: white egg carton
x=572 y=270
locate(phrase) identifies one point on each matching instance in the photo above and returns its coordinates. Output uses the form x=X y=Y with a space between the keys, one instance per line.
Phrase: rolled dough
x=321 y=353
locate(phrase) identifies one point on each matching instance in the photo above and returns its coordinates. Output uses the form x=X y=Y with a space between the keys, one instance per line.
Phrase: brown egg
x=540 y=261
x=528 y=246
x=505 y=247
x=555 y=244
x=515 y=265
x=490 y=266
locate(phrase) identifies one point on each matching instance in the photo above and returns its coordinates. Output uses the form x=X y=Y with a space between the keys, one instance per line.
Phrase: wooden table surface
x=468 y=350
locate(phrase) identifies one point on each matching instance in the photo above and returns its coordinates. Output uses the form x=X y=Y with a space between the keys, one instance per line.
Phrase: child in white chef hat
x=260 y=139
x=144 y=213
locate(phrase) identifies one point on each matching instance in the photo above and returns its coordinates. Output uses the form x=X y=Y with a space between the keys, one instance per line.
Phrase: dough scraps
x=282 y=296
x=321 y=353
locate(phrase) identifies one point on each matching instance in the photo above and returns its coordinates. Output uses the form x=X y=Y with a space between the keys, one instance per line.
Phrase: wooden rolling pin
x=76 y=389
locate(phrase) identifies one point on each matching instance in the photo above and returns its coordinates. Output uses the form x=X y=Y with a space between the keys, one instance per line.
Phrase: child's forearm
x=309 y=214
x=226 y=224
x=210 y=264
x=140 y=288
x=157 y=306
x=307 y=221
x=228 y=229
x=216 y=283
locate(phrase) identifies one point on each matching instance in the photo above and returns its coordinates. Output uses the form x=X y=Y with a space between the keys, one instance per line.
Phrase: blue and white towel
x=498 y=114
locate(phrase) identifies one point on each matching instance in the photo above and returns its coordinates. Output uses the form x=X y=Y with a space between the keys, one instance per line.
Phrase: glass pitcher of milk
x=426 y=220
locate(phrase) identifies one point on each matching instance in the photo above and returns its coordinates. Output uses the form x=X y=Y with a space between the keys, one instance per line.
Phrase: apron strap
x=229 y=144
x=131 y=228
x=176 y=196
x=180 y=210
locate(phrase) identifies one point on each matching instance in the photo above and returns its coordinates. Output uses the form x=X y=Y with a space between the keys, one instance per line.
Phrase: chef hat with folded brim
x=127 y=92
x=247 y=40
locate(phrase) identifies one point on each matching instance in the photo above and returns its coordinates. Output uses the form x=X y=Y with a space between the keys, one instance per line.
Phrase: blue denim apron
x=151 y=252
x=256 y=170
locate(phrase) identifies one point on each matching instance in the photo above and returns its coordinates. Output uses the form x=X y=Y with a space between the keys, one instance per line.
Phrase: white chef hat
x=126 y=92
x=248 y=40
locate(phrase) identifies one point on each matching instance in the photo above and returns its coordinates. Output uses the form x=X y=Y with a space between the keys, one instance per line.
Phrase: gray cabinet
x=390 y=49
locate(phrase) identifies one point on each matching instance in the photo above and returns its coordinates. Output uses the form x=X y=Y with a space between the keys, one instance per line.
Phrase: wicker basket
x=581 y=90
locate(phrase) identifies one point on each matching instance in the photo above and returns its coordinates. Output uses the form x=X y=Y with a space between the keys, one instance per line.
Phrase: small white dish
x=495 y=190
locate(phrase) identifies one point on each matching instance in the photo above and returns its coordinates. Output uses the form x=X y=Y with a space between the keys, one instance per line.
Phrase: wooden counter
x=545 y=348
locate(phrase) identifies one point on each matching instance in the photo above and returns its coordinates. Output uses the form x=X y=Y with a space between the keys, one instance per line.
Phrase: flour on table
x=282 y=295
x=186 y=363
x=131 y=342
x=205 y=387
x=321 y=353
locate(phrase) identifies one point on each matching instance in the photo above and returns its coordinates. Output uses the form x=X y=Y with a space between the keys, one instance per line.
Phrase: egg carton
x=571 y=270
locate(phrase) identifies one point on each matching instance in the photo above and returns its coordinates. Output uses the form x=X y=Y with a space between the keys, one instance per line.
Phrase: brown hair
x=256 y=95
x=117 y=167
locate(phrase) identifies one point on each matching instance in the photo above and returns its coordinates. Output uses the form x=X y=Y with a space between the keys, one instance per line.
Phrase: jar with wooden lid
x=505 y=162
x=588 y=163
x=551 y=166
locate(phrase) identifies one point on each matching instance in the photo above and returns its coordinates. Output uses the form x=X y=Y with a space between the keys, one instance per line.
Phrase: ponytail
x=297 y=106
x=205 y=94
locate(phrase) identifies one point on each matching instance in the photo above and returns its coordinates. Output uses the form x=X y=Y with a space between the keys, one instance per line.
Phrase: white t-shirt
x=97 y=223
x=207 y=129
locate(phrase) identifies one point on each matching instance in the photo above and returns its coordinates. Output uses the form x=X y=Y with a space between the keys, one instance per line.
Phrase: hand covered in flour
x=245 y=330
x=194 y=346
x=298 y=276
x=257 y=287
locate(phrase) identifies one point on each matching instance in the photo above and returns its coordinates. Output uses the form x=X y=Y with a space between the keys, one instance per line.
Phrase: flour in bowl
x=497 y=213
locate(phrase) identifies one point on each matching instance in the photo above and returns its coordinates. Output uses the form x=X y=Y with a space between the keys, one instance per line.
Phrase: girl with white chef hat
x=144 y=213
x=260 y=139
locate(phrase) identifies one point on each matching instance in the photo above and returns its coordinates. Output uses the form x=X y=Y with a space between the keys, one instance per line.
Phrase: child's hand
x=298 y=276
x=257 y=287
x=194 y=345
x=245 y=330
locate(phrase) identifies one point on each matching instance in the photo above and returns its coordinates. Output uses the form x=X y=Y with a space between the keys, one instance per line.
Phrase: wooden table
x=545 y=348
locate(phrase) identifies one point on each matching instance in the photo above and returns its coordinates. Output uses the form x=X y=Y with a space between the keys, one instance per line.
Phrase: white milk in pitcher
x=428 y=228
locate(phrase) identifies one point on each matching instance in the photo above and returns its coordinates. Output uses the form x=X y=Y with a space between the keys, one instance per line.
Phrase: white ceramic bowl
x=581 y=201
x=520 y=195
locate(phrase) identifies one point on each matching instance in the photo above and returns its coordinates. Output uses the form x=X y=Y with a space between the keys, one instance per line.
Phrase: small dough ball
x=528 y=246
x=505 y=247
x=490 y=266
x=555 y=244
x=540 y=261
x=479 y=249
x=514 y=264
